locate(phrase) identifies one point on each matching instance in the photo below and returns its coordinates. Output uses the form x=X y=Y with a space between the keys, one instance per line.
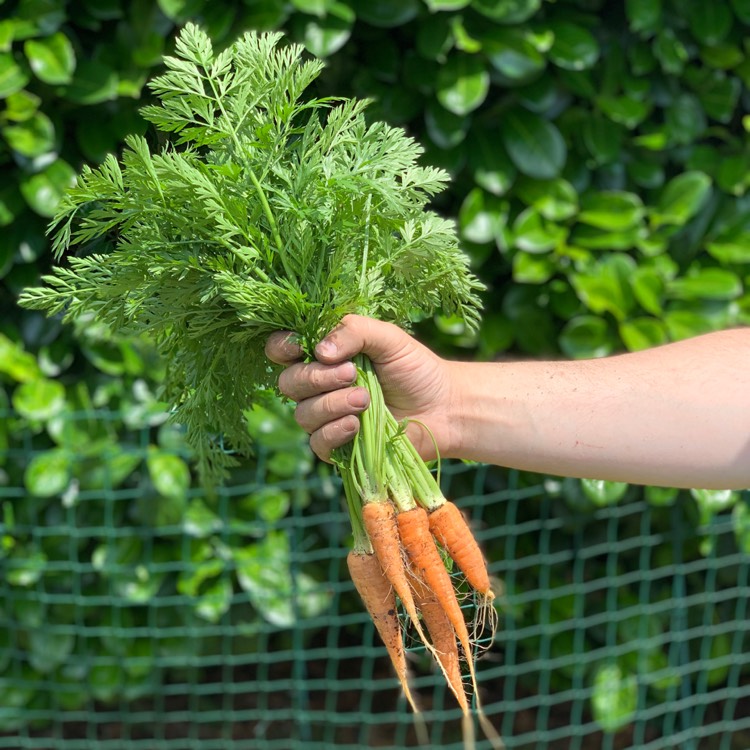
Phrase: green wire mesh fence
x=135 y=612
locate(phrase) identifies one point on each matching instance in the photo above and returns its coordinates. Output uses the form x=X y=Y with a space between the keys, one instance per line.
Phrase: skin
x=676 y=415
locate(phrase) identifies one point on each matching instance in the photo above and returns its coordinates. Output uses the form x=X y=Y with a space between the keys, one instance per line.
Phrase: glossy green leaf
x=723 y=56
x=603 y=138
x=21 y=106
x=327 y=34
x=614 y=699
x=681 y=199
x=17 y=364
x=445 y=129
x=661 y=496
x=720 y=659
x=169 y=473
x=670 y=52
x=312 y=7
x=438 y=5
x=706 y=283
x=593 y=238
x=386 y=13
x=556 y=200
x=741 y=9
x=574 y=48
x=731 y=249
x=611 y=210
x=463 y=39
x=44 y=190
x=642 y=333
x=48 y=473
x=48 y=651
x=263 y=571
x=434 y=38
x=683 y=324
x=215 y=600
x=11 y=204
x=269 y=504
x=266 y=15
x=719 y=94
x=585 y=337
x=605 y=286
x=138 y=656
x=712 y=502
x=52 y=59
x=38 y=18
x=92 y=83
x=532 y=233
x=644 y=16
x=645 y=173
x=39 y=398
x=462 y=84
x=603 y=493
x=648 y=288
x=481 y=216
x=180 y=10
x=507 y=11
x=111 y=470
x=7 y=29
x=32 y=137
x=204 y=566
x=200 y=521
x=733 y=174
x=625 y=110
x=709 y=22
x=685 y=119
x=25 y=567
x=532 y=269
x=741 y=526
x=105 y=680
x=12 y=76
x=491 y=167
x=533 y=143
x=512 y=53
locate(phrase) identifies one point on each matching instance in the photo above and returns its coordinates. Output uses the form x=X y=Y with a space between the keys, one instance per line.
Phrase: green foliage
x=599 y=176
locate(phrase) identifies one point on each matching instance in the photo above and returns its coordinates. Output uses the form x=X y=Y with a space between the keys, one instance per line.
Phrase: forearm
x=676 y=415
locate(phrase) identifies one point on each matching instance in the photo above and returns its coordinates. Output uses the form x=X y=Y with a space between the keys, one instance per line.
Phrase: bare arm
x=676 y=415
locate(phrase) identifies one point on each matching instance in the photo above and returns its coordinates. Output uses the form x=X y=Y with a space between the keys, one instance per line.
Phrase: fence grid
x=131 y=619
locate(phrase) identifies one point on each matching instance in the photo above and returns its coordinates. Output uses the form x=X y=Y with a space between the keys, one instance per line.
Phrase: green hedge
x=600 y=172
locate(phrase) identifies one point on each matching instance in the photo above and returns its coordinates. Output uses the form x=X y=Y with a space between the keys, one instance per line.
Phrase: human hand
x=416 y=384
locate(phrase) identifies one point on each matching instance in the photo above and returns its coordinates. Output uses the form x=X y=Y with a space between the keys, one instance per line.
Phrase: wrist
x=460 y=424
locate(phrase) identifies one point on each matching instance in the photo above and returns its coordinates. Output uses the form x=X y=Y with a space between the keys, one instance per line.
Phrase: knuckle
x=286 y=383
x=301 y=416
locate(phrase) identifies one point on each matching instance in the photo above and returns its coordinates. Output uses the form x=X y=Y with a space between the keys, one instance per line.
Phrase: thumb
x=381 y=342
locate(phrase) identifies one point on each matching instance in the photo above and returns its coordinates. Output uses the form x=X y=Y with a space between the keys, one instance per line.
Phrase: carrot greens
x=263 y=211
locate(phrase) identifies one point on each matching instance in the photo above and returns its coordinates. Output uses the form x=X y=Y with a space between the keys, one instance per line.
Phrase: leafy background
x=599 y=161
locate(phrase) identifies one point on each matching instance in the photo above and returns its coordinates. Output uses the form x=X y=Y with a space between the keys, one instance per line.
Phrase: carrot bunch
x=257 y=208
x=402 y=527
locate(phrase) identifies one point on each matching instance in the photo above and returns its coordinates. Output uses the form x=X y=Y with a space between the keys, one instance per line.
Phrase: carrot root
x=380 y=601
x=417 y=540
x=379 y=519
x=449 y=527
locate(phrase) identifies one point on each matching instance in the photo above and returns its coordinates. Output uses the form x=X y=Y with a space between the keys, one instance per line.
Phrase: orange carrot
x=449 y=527
x=414 y=530
x=417 y=540
x=379 y=600
x=379 y=520
x=443 y=638
x=444 y=641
